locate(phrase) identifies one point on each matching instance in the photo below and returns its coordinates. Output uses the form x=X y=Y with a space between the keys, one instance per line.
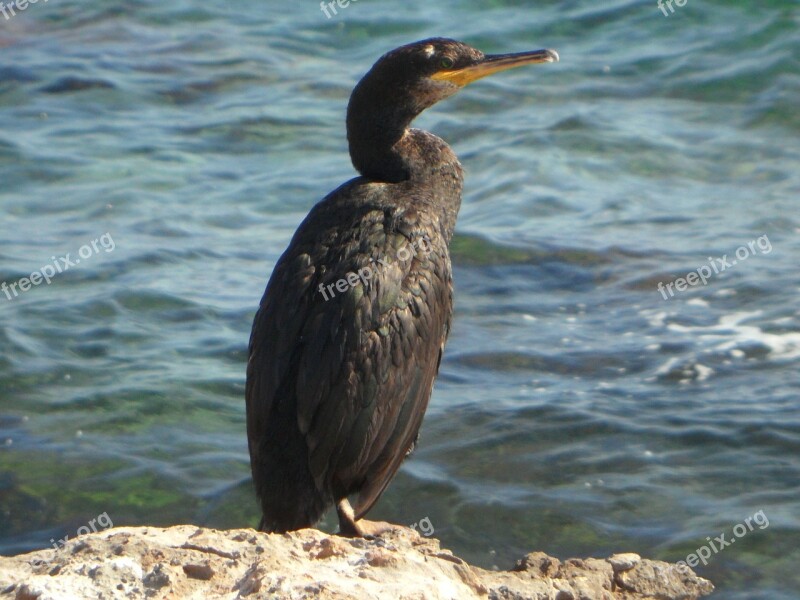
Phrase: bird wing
x=355 y=365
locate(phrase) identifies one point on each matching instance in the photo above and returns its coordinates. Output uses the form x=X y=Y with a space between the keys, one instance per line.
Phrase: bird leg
x=349 y=527
x=347 y=521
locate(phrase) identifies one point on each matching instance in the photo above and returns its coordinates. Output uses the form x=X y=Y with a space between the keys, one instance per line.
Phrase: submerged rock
x=192 y=562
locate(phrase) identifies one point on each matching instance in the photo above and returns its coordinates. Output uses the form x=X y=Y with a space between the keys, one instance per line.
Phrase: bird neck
x=385 y=149
x=436 y=179
x=375 y=128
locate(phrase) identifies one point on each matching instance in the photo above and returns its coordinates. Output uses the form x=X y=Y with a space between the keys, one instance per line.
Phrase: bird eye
x=447 y=62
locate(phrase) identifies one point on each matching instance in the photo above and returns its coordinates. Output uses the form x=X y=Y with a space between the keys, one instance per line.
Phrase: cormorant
x=349 y=335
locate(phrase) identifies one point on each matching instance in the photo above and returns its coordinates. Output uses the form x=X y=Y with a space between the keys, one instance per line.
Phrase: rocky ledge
x=191 y=562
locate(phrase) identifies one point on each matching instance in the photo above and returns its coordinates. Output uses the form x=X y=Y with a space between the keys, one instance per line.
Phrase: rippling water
x=577 y=411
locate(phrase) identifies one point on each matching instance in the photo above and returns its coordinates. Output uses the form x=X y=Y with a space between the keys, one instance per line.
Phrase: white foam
x=703 y=372
x=691 y=371
x=782 y=346
x=697 y=302
x=731 y=334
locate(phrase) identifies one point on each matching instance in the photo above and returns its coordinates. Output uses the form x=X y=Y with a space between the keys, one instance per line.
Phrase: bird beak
x=494 y=63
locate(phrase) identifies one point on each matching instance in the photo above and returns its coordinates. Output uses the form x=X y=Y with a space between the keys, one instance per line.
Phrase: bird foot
x=349 y=527
x=372 y=529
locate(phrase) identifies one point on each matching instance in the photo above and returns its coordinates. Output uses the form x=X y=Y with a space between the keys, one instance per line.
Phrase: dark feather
x=344 y=382
x=350 y=332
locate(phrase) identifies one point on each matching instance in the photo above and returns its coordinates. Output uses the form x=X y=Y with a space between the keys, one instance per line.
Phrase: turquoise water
x=577 y=411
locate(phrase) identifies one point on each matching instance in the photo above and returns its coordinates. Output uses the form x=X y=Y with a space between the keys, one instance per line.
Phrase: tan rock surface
x=186 y=561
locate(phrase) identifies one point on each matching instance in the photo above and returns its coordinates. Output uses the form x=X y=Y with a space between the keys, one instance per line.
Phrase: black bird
x=349 y=335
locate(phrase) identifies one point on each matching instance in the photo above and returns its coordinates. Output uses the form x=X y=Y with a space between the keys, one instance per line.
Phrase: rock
x=624 y=562
x=190 y=562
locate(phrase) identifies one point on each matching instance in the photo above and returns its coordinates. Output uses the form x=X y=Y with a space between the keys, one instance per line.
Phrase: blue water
x=577 y=411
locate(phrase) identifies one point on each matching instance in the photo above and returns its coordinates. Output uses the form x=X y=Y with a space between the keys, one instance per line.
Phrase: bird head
x=406 y=81
x=420 y=74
